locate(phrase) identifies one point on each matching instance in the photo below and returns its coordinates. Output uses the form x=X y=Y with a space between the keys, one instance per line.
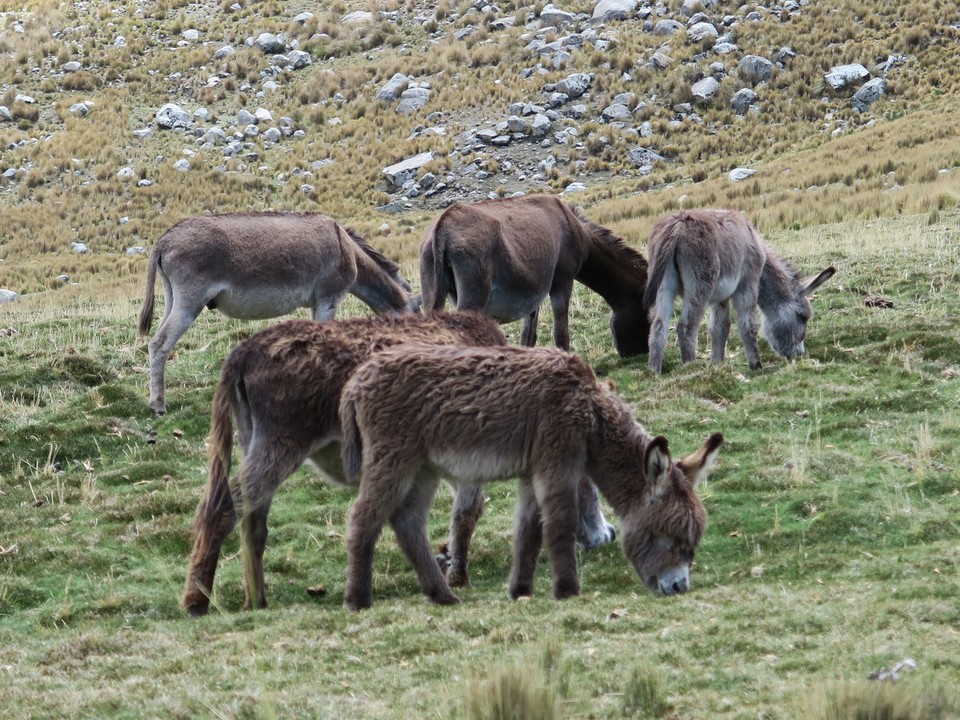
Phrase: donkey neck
x=777 y=283
x=617 y=273
x=376 y=287
x=616 y=456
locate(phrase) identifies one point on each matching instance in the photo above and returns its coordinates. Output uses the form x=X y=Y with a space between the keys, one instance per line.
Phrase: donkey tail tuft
x=662 y=248
x=146 y=313
x=352 y=442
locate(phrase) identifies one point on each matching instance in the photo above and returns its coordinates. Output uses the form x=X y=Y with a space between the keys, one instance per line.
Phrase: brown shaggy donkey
x=503 y=257
x=415 y=413
x=282 y=385
x=712 y=257
x=260 y=265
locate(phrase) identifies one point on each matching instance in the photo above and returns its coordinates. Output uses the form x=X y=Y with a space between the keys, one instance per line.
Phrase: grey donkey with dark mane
x=261 y=265
x=414 y=413
x=282 y=387
x=716 y=258
x=503 y=257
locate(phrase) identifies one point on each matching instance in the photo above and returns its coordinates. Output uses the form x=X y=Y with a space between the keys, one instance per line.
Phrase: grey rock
x=7 y=296
x=262 y=115
x=412 y=99
x=702 y=31
x=201 y=114
x=172 y=117
x=5 y=114
x=399 y=173
x=79 y=248
x=303 y=18
x=126 y=173
x=225 y=51
x=611 y=10
x=80 y=108
x=517 y=124
x=555 y=17
x=667 y=27
x=541 y=125
x=119 y=41
x=742 y=99
x=251 y=131
x=269 y=43
x=183 y=165
x=724 y=48
x=573 y=86
x=705 y=90
x=358 y=17
x=617 y=112
x=215 y=136
x=272 y=135
x=191 y=35
x=842 y=76
x=63 y=279
x=755 y=69
x=640 y=156
x=299 y=59
x=245 y=117
x=660 y=60
x=143 y=133
x=868 y=94
x=71 y=67
x=741 y=173
x=136 y=250
x=391 y=90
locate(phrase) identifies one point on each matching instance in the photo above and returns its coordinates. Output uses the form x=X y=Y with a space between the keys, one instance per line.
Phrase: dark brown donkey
x=282 y=385
x=503 y=257
x=415 y=413
x=713 y=257
x=260 y=265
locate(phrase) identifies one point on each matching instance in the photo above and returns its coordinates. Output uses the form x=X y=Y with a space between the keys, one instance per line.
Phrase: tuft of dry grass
x=878 y=701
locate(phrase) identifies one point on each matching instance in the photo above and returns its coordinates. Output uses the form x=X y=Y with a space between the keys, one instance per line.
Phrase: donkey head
x=631 y=330
x=662 y=532
x=786 y=326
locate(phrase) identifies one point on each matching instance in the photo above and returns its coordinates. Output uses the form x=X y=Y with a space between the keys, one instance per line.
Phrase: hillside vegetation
x=832 y=553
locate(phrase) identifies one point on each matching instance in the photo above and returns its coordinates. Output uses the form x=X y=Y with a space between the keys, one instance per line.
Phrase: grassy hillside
x=832 y=549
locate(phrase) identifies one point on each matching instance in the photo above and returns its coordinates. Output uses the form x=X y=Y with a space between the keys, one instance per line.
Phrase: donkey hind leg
x=409 y=523
x=660 y=321
x=745 y=307
x=719 y=331
x=528 y=537
x=592 y=527
x=216 y=518
x=560 y=302
x=182 y=313
x=467 y=509
x=528 y=335
x=266 y=465
x=383 y=489
x=325 y=308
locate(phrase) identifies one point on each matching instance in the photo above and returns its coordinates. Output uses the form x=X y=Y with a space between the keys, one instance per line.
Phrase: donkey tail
x=662 y=248
x=435 y=276
x=352 y=442
x=146 y=313
x=218 y=499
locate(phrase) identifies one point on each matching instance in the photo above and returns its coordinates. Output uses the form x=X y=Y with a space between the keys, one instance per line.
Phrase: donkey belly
x=261 y=303
x=504 y=307
x=477 y=466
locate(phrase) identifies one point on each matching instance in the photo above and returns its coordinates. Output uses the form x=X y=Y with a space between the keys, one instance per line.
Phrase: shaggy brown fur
x=260 y=265
x=712 y=257
x=283 y=387
x=414 y=413
x=503 y=257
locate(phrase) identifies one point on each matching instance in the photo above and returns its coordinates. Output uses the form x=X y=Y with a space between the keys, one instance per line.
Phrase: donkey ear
x=657 y=465
x=819 y=280
x=697 y=466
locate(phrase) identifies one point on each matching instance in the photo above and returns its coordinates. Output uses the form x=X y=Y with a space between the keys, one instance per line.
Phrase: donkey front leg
x=527 y=539
x=467 y=509
x=745 y=306
x=719 y=331
x=528 y=335
x=557 y=496
x=560 y=302
x=409 y=522
x=174 y=325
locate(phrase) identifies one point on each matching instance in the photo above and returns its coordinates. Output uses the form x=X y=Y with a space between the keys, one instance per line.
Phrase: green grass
x=832 y=548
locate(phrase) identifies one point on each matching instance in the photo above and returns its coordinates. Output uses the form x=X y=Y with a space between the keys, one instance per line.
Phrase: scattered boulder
x=5 y=114
x=359 y=17
x=738 y=174
x=702 y=31
x=126 y=173
x=71 y=67
x=392 y=89
x=755 y=69
x=553 y=16
x=667 y=27
x=79 y=248
x=868 y=94
x=705 y=90
x=641 y=156
x=80 y=109
x=225 y=51
x=269 y=43
x=172 y=117
x=412 y=99
x=573 y=86
x=7 y=296
x=742 y=99
x=399 y=173
x=610 y=10
x=842 y=76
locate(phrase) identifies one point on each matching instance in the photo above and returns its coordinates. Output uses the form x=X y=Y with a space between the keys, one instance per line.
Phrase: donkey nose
x=612 y=532
x=680 y=586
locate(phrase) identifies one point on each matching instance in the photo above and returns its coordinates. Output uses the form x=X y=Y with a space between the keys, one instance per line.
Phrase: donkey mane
x=607 y=242
x=386 y=264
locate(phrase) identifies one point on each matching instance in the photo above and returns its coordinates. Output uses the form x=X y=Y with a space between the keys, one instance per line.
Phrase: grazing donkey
x=260 y=265
x=282 y=385
x=414 y=413
x=503 y=257
x=712 y=257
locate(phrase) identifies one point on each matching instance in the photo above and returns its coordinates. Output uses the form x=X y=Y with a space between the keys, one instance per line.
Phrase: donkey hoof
x=355 y=604
x=444 y=598
x=562 y=591
x=458 y=578
x=519 y=591
x=197 y=610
